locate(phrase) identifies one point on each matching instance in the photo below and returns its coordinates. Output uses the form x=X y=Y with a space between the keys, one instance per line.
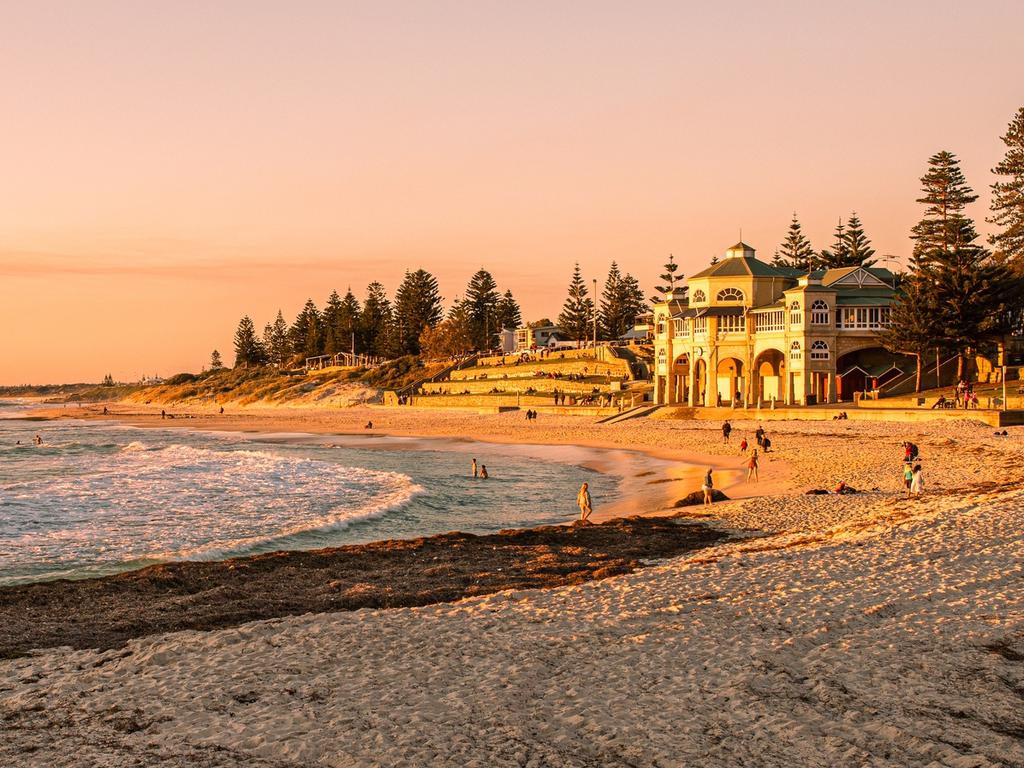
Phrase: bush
x=181 y=378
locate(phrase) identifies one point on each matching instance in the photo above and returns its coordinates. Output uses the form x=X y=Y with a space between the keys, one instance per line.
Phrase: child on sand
x=708 y=488
x=917 y=482
x=583 y=501
x=908 y=477
x=743 y=445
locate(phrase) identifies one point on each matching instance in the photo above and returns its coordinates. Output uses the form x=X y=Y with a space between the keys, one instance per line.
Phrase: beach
x=860 y=629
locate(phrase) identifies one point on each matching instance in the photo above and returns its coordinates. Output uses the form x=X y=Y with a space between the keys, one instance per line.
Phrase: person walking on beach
x=726 y=431
x=759 y=434
x=583 y=501
x=476 y=472
x=916 y=482
x=708 y=488
x=766 y=443
x=908 y=477
x=752 y=466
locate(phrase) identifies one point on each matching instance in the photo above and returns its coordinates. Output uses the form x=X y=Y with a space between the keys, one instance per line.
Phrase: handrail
x=901 y=380
x=411 y=388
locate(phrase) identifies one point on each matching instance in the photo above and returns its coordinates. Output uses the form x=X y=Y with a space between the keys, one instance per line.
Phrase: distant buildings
x=748 y=331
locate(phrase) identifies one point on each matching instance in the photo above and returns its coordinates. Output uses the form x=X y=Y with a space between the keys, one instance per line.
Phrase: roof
x=685 y=312
x=740 y=246
x=719 y=312
x=874 y=371
x=742 y=266
x=860 y=299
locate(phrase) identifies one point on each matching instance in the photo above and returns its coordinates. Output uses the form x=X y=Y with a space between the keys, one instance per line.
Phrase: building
x=528 y=339
x=748 y=332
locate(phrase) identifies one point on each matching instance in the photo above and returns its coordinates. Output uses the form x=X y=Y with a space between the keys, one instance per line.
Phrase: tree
x=796 y=251
x=306 y=334
x=858 y=247
x=216 y=363
x=1008 y=198
x=621 y=301
x=668 y=279
x=277 y=345
x=451 y=337
x=508 y=314
x=375 y=321
x=960 y=274
x=912 y=329
x=341 y=319
x=578 y=310
x=249 y=351
x=481 y=308
x=839 y=256
x=417 y=306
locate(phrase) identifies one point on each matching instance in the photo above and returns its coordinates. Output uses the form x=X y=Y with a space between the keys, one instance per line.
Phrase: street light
x=595 y=318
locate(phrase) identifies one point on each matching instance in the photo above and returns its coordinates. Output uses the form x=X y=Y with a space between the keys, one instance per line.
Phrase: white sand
x=870 y=630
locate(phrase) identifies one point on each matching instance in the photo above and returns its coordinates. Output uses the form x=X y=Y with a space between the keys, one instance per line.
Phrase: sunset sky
x=170 y=166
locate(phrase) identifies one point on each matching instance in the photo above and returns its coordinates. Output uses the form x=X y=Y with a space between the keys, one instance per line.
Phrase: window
x=862 y=318
x=819 y=350
x=680 y=328
x=794 y=350
x=795 y=315
x=732 y=324
x=698 y=296
x=700 y=326
x=730 y=294
x=769 y=321
x=819 y=313
x=661 y=328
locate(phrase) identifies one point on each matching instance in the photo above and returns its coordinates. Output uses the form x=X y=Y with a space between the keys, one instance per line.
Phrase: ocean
x=98 y=497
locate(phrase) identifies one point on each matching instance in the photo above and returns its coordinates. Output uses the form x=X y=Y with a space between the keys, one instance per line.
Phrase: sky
x=170 y=167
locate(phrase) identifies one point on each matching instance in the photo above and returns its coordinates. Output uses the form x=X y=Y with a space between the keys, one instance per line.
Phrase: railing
x=342 y=360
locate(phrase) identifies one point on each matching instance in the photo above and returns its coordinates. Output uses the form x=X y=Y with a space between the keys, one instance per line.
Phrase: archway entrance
x=730 y=381
x=770 y=377
x=681 y=379
x=700 y=381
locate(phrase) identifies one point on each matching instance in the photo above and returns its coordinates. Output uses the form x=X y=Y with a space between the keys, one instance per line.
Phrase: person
x=726 y=430
x=39 y=440
x=708 y=487
x=163 y=414
x=222 y=409
x=910 y=451
x=766 y=443
x=743 y=444
x=841 y=488
x=483 y=472
x=583 y=501
x=752 y=466
x=475 y=472
x=105 y=411
x=916 y=482
x=369 y=425
x=759 y=434
x=908 y=477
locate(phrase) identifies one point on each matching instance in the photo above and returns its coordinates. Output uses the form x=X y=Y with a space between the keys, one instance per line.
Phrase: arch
x=769 y=374
x=820 y=312
x=729 y=294
x=820 y=350
x=682 y=362
x=700 y=377
x=795 y=351
x=698 y=296
x=729 y=381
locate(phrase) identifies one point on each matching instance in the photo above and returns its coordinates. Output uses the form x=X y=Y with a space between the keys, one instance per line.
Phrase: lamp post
x=595 y=318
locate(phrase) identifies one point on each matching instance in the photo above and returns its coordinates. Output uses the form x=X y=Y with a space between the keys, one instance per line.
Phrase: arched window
x=730 y=294
x=795 y=315
x=698 y=296
x=819 y=313
x=819 y=350
x=794 y=350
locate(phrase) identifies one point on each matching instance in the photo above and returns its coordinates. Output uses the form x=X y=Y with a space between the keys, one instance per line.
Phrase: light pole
x=595 y=318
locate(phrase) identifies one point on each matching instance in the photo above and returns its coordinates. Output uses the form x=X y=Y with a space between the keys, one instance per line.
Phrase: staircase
x=636 y=412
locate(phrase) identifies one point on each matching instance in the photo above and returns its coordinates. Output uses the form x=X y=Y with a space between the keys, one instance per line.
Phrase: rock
x=697 y=497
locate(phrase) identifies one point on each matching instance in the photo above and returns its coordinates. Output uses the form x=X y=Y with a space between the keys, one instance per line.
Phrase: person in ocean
x=39 y=440
x=483 y=472
x=583 y=502
x=708 y=488
x=476 y=472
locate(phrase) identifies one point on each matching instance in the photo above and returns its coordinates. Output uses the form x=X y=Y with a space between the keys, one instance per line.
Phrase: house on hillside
x=542 y=336
x=748 y=332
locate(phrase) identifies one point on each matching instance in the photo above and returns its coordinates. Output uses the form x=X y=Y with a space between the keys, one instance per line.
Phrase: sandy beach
x=864 y=629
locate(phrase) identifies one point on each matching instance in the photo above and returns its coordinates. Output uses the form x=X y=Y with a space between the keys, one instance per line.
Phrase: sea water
x=96 y=498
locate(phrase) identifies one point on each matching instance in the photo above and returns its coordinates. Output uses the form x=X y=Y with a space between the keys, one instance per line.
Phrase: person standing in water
x=708 y=488
x=476 y=472
x=483 y=472
x=583 y=501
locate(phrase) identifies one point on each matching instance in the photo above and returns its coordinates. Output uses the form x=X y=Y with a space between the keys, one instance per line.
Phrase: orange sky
x=169 y=167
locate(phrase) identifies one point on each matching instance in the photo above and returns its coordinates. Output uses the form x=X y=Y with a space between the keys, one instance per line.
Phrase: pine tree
x=278 y=350
x=248 y=349
x=796 y=251
x=216 y=363
x=1008 y=198
x=634 y=302
x=912 y=329
x=481 y=307
x=858 y=247
x=839 y=256
x=610 y=318
x=306 y=334
x=509 y=316
x=345 y=324
x=668 y=279
x=375 y=321
x=451 y=337
x=334 y=335
x=578 y=311
x=964 y=281
x=417 y=306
